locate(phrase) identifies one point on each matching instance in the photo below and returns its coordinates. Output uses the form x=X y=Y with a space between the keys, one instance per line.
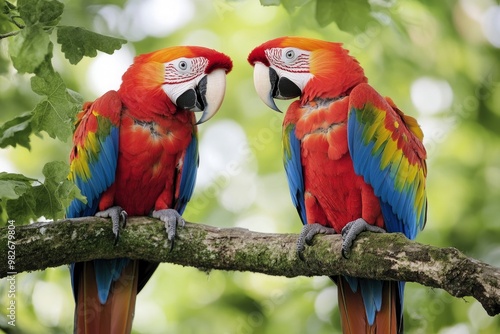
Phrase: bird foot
x=351 y=231
x=171 y=218
x=118 y=218
x=307 y=234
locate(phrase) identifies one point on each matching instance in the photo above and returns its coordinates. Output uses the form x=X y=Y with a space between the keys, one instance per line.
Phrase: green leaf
x=22 y=209
x=56 y=179
x=12 y=185
x=52 y=117
x=50 y=12
x=67 y=191
x=29 y=11
x=55 y=172
x=349 y=15
x=15 y=194
x=47 y=12
x=16 y=131
x=57 y=191
x=47 y=204
x=29 y=48
x=55 y=114
x=50 y=199
x=75 y=97
x=14 y=177
x=77 y=42
x=5 y=24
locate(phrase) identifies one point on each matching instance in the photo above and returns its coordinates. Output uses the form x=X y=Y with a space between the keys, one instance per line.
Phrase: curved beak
x=211 y=88
x=206 y=96
x=265 y=80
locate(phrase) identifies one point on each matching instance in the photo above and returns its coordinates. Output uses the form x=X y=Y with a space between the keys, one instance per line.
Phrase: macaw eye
x=290 y=55
x=183 y=65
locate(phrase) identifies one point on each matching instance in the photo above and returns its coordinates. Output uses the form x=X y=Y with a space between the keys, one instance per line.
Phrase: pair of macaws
x=354 y=162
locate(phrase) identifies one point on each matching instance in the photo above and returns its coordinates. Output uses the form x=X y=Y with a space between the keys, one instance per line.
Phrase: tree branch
x=380 y=256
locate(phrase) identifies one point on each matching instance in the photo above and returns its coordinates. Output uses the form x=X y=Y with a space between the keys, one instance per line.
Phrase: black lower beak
x=194 y=99
x=282 y=87
x=187 y=100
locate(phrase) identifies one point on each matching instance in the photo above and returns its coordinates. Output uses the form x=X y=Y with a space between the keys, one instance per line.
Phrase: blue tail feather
x=106 y=272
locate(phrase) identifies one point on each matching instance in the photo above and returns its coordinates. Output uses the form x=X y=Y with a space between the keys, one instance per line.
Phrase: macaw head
x=290 y=67
x=178 y=78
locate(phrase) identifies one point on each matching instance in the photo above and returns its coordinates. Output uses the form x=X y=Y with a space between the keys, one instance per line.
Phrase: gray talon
x=118 y=218
x=307 y=234
x=172 y=219
x=351 y=231
x=124 y=216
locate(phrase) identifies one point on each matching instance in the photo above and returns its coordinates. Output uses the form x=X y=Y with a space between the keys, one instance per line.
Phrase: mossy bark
x=379 y=256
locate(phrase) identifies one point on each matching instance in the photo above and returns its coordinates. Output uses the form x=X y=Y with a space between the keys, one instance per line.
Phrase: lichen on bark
x=387 y=256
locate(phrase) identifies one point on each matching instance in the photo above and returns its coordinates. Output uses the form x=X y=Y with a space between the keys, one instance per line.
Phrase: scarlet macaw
x=136 y=153
x=353 y=160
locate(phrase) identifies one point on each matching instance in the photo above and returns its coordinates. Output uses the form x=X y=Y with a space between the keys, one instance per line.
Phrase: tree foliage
x=29 y=25
x=438 y=60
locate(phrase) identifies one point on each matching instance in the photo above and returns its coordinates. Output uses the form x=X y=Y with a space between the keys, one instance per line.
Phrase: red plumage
x=136 y=151
x=351 y=157
x=147 y=174
x=326 y=161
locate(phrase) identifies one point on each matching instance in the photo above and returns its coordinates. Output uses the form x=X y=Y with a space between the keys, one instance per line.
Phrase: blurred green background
x=438 y=60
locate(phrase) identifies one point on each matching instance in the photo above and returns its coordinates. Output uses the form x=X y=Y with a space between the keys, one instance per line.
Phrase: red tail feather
x=352 y=310
x=92 y=317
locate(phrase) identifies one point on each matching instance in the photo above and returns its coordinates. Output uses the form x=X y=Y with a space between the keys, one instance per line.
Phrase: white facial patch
x=182 y=74
x=292 y=63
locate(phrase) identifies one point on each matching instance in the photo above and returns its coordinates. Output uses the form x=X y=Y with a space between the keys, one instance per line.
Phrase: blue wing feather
x=397 y=195
x=188 y=175
x=100 y=154
x=102 y=175
x=389 y=182
x=293 y=168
